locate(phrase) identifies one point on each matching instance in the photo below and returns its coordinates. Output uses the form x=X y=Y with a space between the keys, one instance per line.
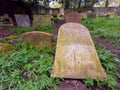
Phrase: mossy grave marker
x=76 y=55
x=37 y=38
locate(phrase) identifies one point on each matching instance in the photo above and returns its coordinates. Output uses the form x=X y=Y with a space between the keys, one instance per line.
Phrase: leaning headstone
x=73 y=17
x=22 y=20
x=37 y=38
x=76 y=55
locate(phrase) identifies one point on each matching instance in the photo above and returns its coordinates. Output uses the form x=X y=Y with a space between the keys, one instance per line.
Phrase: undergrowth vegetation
x=20 y=30
x=111 y=66
x=45 y=28
x=104 y=27
x=27 y=68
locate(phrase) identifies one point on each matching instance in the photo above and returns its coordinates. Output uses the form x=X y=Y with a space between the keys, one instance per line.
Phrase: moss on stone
x=11 y=37
x=4 y=47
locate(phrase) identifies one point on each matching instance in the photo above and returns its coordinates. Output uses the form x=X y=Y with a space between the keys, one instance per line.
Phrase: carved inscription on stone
x=76 y=56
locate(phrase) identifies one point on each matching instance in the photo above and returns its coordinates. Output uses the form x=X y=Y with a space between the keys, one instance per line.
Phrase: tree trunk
x=67 y=3
x=79 y=4
x=106 y=4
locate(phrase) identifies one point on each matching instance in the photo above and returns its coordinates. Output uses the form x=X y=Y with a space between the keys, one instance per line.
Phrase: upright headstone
x=37 y=38
x=22 y=20
x=41 y=20
x=76 y=55
x=73 y=17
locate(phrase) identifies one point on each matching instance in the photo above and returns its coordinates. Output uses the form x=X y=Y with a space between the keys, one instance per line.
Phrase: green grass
x=45 y=28
x=111 y=66
x=27 y=68
x=105 y=28
x=20 y=30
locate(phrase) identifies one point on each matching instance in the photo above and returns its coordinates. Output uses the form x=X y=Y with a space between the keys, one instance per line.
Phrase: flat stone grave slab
x=37 y=38
x=76 y=55
x=73 y=17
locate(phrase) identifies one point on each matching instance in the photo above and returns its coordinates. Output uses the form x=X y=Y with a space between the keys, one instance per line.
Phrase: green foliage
x=89 y=82
x=45 y=28
x=27 y=68
x=107 y=60
x=100 y=81
x=106 y=28
x=20 y=30
x=111 y=82
x=111 y=65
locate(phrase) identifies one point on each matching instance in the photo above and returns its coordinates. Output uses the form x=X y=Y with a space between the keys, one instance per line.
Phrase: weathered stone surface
x=76 y=55
x=41 y=20
x=73 y=17
x=22 y=20
x=91 y=14
x=4 y=47
x=37 y=38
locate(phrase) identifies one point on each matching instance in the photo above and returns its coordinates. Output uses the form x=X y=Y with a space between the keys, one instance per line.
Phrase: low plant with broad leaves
x=27 y=68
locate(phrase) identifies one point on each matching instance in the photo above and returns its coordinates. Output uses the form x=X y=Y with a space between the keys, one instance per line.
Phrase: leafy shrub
x=111 y=66
x=89 y=82
x=45 y=28
x=107 y=28
x=27 y=68
x=20 y=30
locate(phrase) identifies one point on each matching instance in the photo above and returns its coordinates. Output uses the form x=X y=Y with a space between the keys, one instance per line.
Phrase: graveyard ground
x=26 y=67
